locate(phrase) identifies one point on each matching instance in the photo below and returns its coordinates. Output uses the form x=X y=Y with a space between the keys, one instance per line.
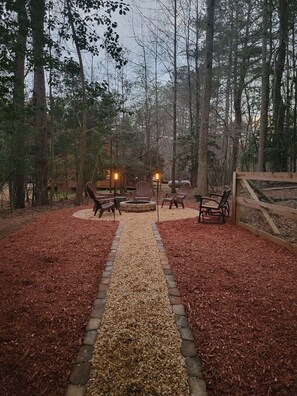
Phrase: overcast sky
x=142 y=13
x=135 y=20
x=135 y=23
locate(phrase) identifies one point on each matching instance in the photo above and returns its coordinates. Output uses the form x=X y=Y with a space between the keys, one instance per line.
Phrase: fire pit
x=138 y=206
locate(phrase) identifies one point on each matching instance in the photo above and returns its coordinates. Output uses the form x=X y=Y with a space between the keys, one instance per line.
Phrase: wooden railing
x=246 y=192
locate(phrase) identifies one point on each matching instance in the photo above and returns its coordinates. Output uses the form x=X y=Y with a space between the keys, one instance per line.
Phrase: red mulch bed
x=239 y=290
x=240 y=293
x=50 y=271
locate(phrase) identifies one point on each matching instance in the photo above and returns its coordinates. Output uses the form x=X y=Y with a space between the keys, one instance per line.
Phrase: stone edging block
x=193 y=365
x=80 y=372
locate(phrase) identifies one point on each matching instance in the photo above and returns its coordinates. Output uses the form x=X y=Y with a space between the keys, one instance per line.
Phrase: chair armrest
x=180 y=196
x=204 y=198
x=107 y=205
x=208 y=199
x=105 y=199
x=215 y=194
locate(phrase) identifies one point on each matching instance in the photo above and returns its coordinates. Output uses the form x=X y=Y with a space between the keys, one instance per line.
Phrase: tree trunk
x=280 y=160
x=157 y=121
x=19 y=130
x=193 y=146
x=226 y=177
x=205 y=108
x=197 y=95
x=239 y=85
x=37 y=10
x=83 y=135
x=147 y=112
x=82 y=154
x=265 y=90
x=174 y=135
x=294 y=159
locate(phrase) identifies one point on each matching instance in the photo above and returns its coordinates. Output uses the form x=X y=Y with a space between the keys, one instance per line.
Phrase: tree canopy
x=76 y=105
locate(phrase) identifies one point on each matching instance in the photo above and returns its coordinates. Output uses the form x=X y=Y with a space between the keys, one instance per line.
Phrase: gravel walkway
x=138 y=346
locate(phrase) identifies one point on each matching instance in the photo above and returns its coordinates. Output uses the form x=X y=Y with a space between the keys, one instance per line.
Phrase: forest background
x=207 y=87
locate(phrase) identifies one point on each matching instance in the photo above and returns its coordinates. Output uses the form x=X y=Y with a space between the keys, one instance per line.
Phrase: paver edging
x=80 y=372
x=193 y=364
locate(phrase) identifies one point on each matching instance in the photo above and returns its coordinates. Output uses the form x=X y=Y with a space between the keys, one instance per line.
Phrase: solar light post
x=115 y=178
x=157 y=178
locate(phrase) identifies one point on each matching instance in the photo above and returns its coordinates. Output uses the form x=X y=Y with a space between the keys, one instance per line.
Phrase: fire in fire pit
x=138 y=206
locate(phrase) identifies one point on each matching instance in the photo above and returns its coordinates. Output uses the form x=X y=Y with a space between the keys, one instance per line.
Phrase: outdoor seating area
x=213 y=208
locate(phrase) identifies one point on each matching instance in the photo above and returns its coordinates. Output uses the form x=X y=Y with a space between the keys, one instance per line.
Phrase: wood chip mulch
x=240 y=293
x=50 y=270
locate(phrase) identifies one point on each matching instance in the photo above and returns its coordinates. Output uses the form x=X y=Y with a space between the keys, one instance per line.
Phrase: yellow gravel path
x=137 y=351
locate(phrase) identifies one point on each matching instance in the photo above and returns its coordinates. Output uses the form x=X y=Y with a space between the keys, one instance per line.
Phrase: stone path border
x=81 y=370
x=188 y=349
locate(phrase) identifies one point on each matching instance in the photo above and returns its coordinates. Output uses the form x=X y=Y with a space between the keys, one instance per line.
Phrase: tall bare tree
x=240 y=71
x=205 y=105
x=19 y=130
x=37 y=11
x=174 y=126
x=280 y=159
x=83 y=133
x=265 y=88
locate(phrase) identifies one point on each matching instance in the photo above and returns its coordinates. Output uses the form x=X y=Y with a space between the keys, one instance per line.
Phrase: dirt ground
x=240 y=293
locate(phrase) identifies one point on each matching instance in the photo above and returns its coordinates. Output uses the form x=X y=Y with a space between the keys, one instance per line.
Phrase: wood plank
x=273 y=226
x=287 y=177
x=276 y=209
x=290 y=246
x=260 y=192
x=235 y=210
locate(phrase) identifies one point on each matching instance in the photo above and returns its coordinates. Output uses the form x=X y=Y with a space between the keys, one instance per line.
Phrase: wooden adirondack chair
x=101 y=204
x=218 y=206
x=179 y=197
x=143 y=191
x=104 y=198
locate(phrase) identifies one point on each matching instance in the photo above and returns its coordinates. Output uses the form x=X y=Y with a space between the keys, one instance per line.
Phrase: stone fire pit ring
x=138 y=206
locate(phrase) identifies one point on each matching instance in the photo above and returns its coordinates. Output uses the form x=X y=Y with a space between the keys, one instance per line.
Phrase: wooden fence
x=247 y=194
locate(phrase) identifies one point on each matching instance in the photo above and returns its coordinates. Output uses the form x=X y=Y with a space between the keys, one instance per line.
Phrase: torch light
x=157 y=178
x=115 y=178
